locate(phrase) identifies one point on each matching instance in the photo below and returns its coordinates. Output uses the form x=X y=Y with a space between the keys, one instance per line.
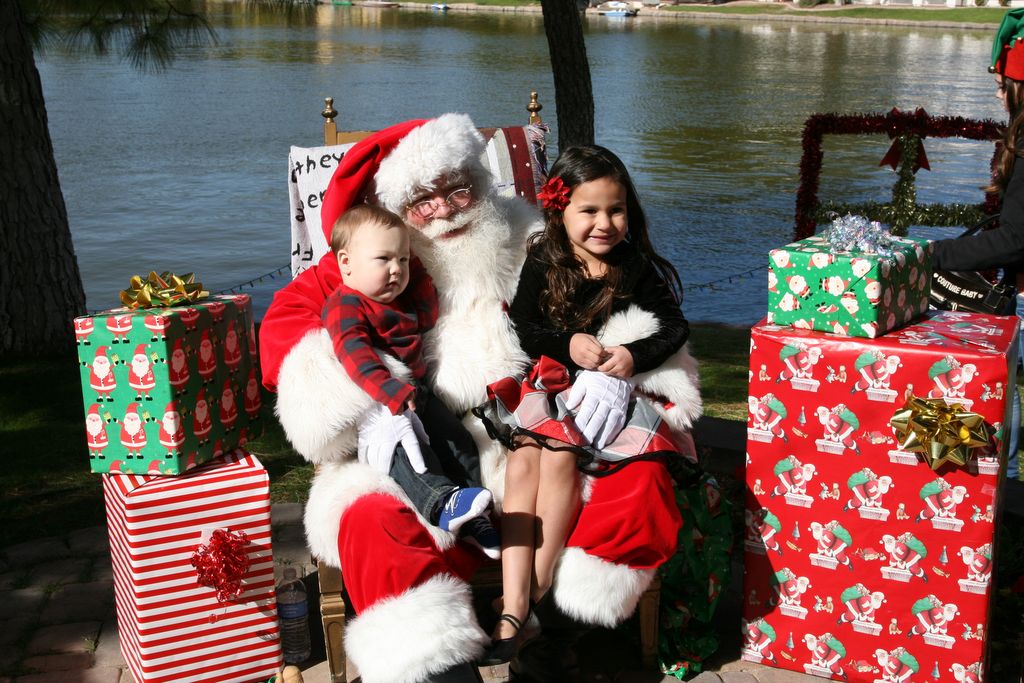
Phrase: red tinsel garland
x=895 y=124
x=222 y=562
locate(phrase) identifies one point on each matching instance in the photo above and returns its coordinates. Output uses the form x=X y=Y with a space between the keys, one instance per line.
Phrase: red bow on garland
x=221 y=563
x=895 y=153
x=555 y=194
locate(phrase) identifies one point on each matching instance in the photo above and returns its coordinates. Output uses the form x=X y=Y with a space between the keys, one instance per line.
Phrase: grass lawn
x=972 y=15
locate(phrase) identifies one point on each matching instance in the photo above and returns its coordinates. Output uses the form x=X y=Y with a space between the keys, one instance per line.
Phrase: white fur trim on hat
x=426 y=630
x=597 y=592
x=448 y=143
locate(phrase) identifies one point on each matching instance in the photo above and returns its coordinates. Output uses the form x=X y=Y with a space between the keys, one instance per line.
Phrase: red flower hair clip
x=554 y=194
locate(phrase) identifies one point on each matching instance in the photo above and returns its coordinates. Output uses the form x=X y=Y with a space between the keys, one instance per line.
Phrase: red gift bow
x=554 y=194
x=222 y=562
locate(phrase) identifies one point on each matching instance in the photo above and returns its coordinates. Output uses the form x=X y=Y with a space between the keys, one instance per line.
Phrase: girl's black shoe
x=503 y=649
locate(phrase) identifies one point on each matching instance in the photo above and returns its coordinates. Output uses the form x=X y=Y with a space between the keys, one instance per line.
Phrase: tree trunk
x=40 y=286
x=574 y=95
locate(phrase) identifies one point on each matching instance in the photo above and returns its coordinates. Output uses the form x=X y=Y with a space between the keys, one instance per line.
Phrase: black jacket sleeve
x=999 y=248
x=653 y=294
x=536 y=335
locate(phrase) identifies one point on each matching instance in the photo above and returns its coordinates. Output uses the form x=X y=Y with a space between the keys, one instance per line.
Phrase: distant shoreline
x=819 y=15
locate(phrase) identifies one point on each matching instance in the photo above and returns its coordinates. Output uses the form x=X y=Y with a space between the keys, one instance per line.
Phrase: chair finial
x=329 y=111
x=534 y=108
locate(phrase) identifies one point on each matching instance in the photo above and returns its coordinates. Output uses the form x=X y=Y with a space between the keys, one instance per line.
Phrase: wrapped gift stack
x=873 y=468
x=171 y=390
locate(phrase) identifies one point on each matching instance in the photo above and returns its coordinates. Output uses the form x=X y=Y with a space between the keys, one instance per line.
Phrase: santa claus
x=140 y=374
x=202 y=423
x=95 y=432
x=133 y=431
x=232 y=349
x=253 y=400
x=83 y=328
x=207 y=357
x=177 y=368
x=172 y=431
x=101 y=375
x=228 y=406
x=407 y=580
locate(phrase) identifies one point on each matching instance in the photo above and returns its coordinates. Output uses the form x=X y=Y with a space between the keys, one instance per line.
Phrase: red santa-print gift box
x=172 y=629
x=166 y=389
x=862 y=562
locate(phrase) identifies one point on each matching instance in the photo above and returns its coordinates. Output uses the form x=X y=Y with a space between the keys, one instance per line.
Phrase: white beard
x=475 y=273
x=132 y=424
x=94 y=425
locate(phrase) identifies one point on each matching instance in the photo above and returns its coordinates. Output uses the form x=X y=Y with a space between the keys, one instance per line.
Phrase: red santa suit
x=95 y=432
x=207 y=357
x=177 y=368
x=83 y=328
x=202 y=423
x=232 y=349
x=228 y=407
x=140 y=373
x=188 y=315
x=253 y=400
x=119 y=326
x=101 y=375
x=133 y=431
x=395 y=564
x=172 y=431
x=157 y=325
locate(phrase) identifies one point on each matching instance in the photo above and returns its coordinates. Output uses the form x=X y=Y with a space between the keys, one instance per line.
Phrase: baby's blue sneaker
x=462 y=505
x=480 y=532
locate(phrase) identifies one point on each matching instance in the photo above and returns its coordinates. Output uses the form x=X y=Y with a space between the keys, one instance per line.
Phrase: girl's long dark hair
x=566 y=271
x=1011 y=137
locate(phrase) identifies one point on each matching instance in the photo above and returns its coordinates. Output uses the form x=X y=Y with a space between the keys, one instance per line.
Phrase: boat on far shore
x=616 y=8
x=383 y=4
x=440 y=7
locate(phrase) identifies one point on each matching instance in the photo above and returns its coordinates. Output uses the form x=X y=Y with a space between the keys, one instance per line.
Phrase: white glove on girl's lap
x=602 y=401
x=380 y=432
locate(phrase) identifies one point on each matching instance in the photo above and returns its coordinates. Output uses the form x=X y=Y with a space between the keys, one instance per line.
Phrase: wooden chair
x=332 y=585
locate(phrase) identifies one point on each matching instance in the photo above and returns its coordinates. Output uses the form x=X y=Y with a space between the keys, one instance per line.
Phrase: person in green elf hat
x=1002 y=248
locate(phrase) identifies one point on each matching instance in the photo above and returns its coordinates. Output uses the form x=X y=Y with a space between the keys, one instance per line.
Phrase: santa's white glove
x=380 y=433
x=602 y=401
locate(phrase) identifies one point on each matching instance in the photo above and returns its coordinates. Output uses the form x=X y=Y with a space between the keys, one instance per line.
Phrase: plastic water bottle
x=293 y=616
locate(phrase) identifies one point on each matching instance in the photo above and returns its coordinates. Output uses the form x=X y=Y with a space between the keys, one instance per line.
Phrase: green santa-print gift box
x=167 y=389
x=848 y=293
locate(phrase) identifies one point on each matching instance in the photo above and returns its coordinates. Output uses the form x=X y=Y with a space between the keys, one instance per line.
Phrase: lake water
x=186 y=170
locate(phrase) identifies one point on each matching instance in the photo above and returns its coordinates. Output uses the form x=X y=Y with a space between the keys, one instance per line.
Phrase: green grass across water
x=971 y=15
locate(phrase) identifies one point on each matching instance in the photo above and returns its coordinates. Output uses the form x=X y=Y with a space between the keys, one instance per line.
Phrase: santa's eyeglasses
x=457 y=199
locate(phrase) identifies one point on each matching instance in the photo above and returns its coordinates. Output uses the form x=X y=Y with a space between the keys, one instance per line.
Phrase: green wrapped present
x=167 y=389
x=850 y=293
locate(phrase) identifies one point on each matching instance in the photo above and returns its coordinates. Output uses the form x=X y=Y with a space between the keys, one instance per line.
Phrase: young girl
x=593 y=259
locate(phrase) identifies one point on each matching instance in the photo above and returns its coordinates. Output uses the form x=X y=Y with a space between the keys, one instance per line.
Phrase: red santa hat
x=403 y=159
x=100 y=351
x=351 y=183
x=171 y=408
x=140 y=350
x=94 y=410
x=133 y=409
x=201 y=396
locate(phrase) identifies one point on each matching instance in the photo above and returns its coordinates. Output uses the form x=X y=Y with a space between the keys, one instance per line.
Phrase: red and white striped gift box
x=171 y=628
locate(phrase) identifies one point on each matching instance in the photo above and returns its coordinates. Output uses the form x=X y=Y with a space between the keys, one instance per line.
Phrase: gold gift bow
x=166 y=289
x=941 y=432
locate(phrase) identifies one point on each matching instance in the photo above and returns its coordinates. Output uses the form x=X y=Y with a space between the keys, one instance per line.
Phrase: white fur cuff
x=334 y=489
x=424 y=631
x=597 y=592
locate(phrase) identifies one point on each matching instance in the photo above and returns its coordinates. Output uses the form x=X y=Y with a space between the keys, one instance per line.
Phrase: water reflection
x=188 y=167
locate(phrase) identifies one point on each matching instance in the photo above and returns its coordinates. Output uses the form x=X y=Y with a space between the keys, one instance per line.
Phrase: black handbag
x=958 y=290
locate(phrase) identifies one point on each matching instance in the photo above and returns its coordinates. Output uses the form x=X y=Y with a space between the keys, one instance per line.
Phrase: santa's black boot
x=461 y=673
